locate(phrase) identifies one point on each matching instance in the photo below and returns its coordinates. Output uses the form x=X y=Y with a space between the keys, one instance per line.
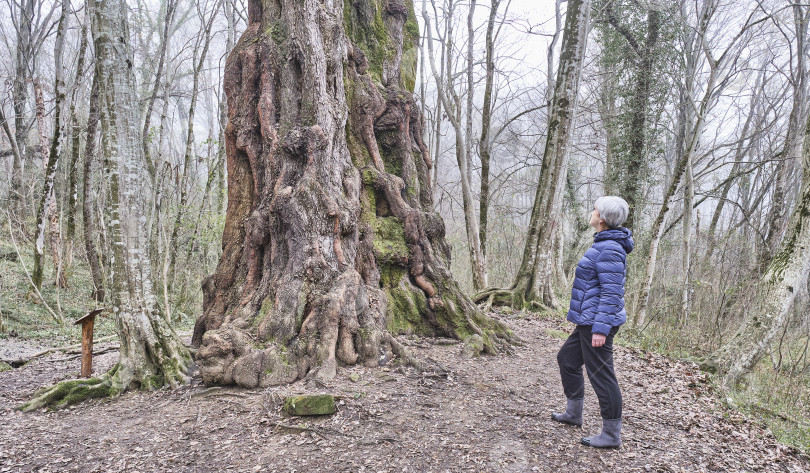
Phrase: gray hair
x=612 y=209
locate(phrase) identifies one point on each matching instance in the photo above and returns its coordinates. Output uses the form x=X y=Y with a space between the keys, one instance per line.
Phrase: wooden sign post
x=87 y=340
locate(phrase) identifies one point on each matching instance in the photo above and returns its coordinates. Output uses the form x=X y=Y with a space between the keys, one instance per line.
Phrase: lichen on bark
x=331 y=246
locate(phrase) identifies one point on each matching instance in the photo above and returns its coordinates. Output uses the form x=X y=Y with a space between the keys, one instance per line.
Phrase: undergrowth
x=25 y=317
x=776 y=398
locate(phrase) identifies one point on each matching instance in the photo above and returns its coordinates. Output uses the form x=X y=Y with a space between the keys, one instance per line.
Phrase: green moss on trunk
x=365 y=26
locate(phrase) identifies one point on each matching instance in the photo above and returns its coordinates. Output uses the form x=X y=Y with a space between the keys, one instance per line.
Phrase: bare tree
x=47 y=205
x=533 y=283
x=788 y=270
x=775 y=293
x=75 y=145
x=694 y=118
x=151 y=353
x=200 y=54
x=451 y=103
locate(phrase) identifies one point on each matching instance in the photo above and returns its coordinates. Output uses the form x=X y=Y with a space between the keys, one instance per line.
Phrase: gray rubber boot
x=611 y=436
x=572 y=414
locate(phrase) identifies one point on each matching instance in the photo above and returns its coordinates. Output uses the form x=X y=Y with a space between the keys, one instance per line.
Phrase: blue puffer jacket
x=598 y=295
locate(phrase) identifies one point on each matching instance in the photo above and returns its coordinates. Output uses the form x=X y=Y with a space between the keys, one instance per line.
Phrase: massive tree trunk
x=533 y=283
x=330 y=245
x=151 y=354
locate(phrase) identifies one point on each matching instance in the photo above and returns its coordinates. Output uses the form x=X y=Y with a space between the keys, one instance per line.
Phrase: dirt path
x=489 y=414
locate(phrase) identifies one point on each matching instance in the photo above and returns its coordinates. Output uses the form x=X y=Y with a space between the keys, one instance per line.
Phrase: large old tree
x=330 y=245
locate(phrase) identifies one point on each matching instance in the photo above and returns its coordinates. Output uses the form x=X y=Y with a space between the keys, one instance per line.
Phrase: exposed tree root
x=514 y=298
x=73 y=391
x=167 y=365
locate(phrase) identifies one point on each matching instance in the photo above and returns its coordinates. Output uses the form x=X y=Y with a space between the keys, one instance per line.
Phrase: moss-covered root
x=513 y=298
x=74 y=391
x=497 y=336
x=403 y=353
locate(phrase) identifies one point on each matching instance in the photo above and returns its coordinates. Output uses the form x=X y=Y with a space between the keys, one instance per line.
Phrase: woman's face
x=596 y=221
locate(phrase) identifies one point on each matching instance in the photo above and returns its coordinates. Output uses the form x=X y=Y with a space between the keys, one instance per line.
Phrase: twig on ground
x=296 y=428
x=73 y=357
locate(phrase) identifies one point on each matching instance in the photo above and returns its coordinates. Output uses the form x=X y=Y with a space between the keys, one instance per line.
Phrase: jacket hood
x=622 y=235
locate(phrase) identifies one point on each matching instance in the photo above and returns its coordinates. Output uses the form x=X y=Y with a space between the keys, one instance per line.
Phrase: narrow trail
x=488 y=414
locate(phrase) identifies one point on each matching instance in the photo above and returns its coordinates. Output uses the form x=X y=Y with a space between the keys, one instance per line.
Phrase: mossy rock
x=5 y=366
x=320 y=405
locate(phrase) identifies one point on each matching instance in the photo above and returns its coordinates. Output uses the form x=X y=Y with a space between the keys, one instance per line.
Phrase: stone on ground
x=320 y=405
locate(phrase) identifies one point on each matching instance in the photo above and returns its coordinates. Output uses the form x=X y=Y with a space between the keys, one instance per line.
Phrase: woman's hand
x=597 y=340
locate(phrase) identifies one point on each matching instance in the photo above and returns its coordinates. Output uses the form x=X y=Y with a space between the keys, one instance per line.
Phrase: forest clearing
x=476 y=414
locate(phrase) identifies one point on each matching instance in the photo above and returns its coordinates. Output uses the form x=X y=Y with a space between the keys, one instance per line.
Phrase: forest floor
x=485 y=414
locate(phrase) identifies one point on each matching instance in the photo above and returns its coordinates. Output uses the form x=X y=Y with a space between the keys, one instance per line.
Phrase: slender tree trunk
x=89 y=224
x=47 y=205
x=439 y=83
x=690 y=130
x=657 y=231
x=533 y=283
x=468 y=127
x=330 y=242
x=187 y=157
x=555 y=38
x=165 y=35
x=688 y=204
x=19 y=98
x=776 y=291
x=454 y=114
x=73 y=169
x=484 y=144
x=627 y=174
x=742 y=149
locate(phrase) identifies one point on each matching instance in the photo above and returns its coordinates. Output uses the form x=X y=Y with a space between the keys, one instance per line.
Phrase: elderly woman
x=597 y=308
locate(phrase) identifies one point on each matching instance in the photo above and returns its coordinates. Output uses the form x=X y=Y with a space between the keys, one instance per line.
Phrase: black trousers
x=578 y=351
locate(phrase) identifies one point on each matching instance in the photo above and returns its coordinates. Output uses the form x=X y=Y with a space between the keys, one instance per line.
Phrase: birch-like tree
x=151 y=354
x=451 y=101
x=789 y=268
x=693 y=114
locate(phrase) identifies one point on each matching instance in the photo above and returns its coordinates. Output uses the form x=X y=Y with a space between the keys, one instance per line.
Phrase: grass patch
x=559 y=334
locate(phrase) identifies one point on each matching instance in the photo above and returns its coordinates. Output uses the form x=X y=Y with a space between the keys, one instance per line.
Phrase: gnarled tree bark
x=330 y=244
